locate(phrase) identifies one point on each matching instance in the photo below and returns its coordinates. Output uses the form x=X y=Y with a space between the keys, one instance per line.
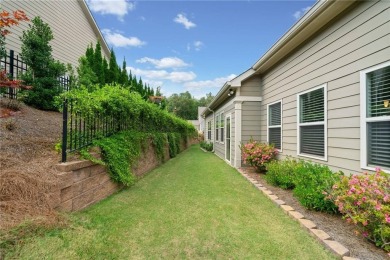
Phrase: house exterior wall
x=251 y=87
x=71 y=28
x=251 y=121
x=358 y=40
x=220 y=147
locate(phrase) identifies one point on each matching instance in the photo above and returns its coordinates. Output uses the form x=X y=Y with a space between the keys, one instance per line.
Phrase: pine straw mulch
x=338 y=229
x=27 y=159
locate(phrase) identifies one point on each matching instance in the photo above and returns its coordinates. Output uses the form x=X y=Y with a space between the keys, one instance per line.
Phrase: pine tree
x=113 y=72
x=105 y=70
x=89 y=55
x=98 y=63
x=43 y=69
x=124 y=79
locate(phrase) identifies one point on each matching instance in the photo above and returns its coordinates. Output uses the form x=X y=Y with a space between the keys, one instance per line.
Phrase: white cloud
x=300 y=13
x=167 y=62
x=118 y=40
x=175 y=76
x=198 y=45
x=182 y=19
x=213 y=83
x=118 y=7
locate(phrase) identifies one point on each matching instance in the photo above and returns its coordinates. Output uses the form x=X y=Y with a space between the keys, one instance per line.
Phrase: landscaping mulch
x=334 y=225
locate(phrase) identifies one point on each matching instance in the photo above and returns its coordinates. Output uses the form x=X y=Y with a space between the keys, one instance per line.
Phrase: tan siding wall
x=251 y=121
x=71 y=29
x=251 y=87
x=358 y=40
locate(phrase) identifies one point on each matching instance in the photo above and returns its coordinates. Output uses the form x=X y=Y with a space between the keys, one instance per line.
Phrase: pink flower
x=387 y=217
x=378 y=206
x=365 y=223
x=365 y=234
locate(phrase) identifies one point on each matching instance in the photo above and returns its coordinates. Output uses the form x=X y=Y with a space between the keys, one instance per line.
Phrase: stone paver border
x=335 y=247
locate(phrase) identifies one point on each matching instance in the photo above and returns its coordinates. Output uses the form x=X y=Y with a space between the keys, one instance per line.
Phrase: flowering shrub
x=258 y=154
x=365 y=201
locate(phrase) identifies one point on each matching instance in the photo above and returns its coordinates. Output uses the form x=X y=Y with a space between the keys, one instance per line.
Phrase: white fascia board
x=318 y=16
x=236 y=82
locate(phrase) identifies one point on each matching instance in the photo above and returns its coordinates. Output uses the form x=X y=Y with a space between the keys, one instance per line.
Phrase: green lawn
x=194 y=206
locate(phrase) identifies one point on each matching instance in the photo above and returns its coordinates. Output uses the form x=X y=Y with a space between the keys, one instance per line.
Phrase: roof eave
x=318 y=16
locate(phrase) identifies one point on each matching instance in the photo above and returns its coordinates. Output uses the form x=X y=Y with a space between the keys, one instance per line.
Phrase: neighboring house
x=195 y=123
x=319 y=93
x=73 y=26
x=201 y=120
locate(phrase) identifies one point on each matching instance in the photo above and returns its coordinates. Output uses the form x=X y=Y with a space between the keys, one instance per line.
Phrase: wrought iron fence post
x=11 y=72
x=64 y=129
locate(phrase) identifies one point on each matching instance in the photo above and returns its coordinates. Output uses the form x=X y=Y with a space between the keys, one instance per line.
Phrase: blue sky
x=193 y=45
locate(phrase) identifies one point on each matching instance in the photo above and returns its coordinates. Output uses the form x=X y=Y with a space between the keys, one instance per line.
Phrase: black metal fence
x=81 y=129
x=14 y=67
x=78 y=128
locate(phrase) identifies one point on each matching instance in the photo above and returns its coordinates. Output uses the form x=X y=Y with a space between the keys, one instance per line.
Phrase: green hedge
x=310 y=182
x=127 y=107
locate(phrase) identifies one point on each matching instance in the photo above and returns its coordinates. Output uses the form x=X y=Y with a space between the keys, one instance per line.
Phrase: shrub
x=281 y=173
x=208 y=146
x=312 y=183
x=43 y=70
x=174 y=144
x=364 y=200
x=258 y=154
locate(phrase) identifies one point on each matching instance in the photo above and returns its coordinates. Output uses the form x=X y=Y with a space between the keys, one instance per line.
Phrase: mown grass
x=194 y=206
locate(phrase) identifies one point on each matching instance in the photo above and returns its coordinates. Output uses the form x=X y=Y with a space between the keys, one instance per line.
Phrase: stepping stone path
x=335 y=247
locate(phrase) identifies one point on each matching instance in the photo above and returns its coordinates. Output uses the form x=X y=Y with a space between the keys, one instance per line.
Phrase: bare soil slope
x=27 y=157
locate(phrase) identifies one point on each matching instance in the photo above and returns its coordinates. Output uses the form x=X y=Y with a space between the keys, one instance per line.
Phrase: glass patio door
x=227 y=139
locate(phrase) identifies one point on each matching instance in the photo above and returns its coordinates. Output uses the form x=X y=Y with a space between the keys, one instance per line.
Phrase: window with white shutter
x=312 y=123
x=375 y=123
x=274 y=111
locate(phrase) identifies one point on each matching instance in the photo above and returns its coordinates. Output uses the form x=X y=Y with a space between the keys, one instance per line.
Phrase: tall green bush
x=43 y=70
x=312 y=184
x=281 y=173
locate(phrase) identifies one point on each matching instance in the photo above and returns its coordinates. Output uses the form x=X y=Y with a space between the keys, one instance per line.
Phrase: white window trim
x=217 y=137
x=209 y=129
x=363 y=116
x=325 y=123
x=225 y=119
x=275 y=126
x=220 y=128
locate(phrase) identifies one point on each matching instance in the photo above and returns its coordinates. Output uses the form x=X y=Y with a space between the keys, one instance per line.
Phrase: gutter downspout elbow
x=211 y=128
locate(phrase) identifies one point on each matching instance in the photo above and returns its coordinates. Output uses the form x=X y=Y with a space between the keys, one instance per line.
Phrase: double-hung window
x=222 y=126
x=216 y=128
x=312 y=123
x=209 y=130
x=274 y=111
x=375 y=117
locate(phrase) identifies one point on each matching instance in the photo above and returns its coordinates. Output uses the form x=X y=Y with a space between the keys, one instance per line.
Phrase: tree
x=98 y=64
x=183 y=105
x=124 y=79
x=113 y=72
x=43 y=70
x=204 y=101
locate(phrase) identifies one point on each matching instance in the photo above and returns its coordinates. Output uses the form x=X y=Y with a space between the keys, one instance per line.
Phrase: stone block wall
x=83 y=183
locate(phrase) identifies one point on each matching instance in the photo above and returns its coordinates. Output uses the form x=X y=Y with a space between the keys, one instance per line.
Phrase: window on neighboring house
x=275 y=124
x=375 y=123
x=221 y=126
x=216 y=128
x=209 y=130
x=312 y=125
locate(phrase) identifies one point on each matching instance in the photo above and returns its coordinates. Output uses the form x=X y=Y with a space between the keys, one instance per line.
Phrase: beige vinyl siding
x=71 y=29
x=251 y=121
x=357 y=40
x=251 y=87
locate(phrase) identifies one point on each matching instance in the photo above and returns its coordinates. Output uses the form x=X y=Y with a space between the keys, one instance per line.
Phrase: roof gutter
x=318 y=16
